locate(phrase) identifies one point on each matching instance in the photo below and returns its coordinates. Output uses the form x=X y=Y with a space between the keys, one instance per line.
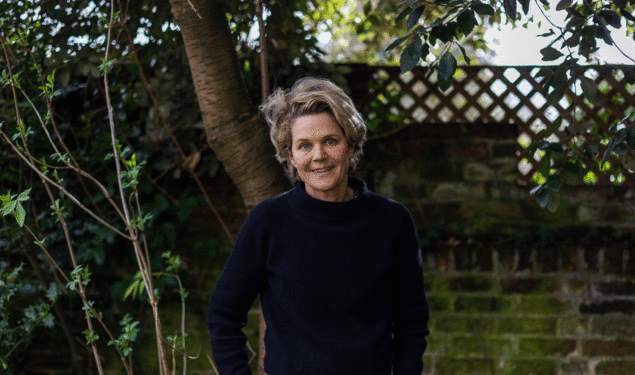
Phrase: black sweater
x=341 y=288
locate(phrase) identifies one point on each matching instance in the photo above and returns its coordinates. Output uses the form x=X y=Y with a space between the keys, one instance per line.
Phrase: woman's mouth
x=322 y=170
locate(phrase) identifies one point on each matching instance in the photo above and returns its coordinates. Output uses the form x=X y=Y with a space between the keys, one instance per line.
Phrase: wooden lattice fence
x=497 y=94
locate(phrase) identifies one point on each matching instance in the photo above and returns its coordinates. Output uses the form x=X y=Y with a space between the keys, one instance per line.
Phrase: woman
x=338 y=268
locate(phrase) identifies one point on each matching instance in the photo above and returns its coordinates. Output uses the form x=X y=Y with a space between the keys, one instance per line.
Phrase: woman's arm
x=410 y=308
x=233 y=295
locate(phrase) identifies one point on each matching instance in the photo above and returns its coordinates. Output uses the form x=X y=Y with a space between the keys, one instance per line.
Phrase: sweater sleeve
x=234 y=293
x=410 y=307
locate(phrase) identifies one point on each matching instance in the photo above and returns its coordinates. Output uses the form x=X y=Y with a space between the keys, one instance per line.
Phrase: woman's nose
x=319 y=152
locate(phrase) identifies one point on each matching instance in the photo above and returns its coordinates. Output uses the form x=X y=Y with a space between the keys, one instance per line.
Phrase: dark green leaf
x=544 y=165
x=467 y=59
x=368 y=7
x=510 y=8
x=609 y=149
x=563 y=4
x=543 y=145
x=620 y=148
x=466 y=21
x=525 y=5
x=572 y=168
x=611 y=18
x=411 y=55
x=414 y=17
x=403 y=14
x=597 y=99
x=24 y=196
x=605 y=35
x=542 y=195
x=447 y=66
x=554 y=201
x=482 y=8
x=550 y=54
x=396 y=42
x=554 y=181
x=630 y=137
x=625 y=13
x=443 y=84
x=589 y=87
x=629 y=74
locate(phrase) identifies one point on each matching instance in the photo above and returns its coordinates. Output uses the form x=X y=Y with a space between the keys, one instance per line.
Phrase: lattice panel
x=491 y=94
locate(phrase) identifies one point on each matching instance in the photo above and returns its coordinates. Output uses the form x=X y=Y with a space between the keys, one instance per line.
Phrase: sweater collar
x=301 y=201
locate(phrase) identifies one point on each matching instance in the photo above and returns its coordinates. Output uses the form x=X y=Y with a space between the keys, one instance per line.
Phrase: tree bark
x=238 y=136
x=234 y=130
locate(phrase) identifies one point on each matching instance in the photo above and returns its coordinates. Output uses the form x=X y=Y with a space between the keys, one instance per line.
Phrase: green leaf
x=550 y=54
x=620 y=148
x=467 y=21
x=630 y=137
x=563 y=4
x=411 y=55
x=447 y=66
x=403 y=14
x=392 y=45
x=24 y=196
x=510 y=8
x=414 y=17
x=554 y=181
x=544 y=165
x=609 y=149
x=554 y=201
x=611 y=18
x=467 y=59
x=541 y=194
x=8 y=208
x=482 y=8
x=525 y=5
x=589 y=87
x=605 y=35
x=20 y=214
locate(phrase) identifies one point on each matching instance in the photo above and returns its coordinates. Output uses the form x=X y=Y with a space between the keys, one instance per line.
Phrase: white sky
x=522 y=46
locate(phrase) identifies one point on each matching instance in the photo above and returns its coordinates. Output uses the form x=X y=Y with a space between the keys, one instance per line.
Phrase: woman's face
x=320 y=153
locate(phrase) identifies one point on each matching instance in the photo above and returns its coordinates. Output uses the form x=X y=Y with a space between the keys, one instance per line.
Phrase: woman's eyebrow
x=333 y=135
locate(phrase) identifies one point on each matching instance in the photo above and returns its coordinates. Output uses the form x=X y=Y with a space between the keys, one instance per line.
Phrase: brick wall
x=500 y=310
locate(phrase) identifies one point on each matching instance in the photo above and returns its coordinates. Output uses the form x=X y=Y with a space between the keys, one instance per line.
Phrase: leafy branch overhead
x=434 y=33
x=449 y=22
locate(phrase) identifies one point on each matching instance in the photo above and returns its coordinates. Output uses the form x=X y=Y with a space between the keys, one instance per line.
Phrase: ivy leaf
x=414 y=17
x=510 y=8
x=482 y=8
x=550 y=54
x=447 y=66
x=392 y=45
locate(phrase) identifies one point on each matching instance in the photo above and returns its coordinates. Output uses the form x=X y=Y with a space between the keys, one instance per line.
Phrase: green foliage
x=128 y=335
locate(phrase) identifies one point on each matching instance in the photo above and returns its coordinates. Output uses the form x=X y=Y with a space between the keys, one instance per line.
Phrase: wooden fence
x=495 y=94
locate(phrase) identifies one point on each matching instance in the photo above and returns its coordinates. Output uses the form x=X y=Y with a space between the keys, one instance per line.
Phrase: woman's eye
x=331 y=142
x=304 y=146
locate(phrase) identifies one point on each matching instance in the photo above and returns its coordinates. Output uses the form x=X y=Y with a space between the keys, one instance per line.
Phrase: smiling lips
x=323 y=170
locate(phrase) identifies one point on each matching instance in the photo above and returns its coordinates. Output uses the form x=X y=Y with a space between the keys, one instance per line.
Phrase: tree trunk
x=238 y=136
x=234 y=130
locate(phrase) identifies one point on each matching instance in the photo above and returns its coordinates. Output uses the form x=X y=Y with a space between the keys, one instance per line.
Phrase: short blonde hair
x=311 y=96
